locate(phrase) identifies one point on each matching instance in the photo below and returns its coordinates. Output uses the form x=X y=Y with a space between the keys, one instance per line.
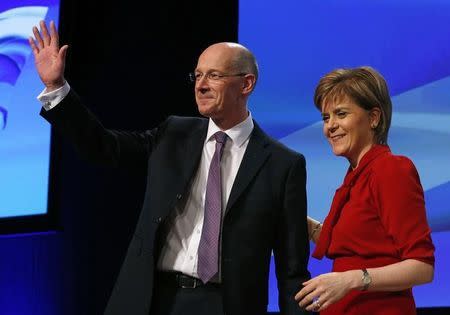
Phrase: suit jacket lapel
x=254 y=157
x=193 y=151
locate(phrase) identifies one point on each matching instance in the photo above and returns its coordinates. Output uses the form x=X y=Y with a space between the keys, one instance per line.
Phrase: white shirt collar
x=238 y=134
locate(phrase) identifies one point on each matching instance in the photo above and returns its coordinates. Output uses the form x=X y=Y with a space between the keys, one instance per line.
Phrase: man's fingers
x=44 y=32
x=54 y=37
x=37 y=36
x=33 y=46
x=63 y=52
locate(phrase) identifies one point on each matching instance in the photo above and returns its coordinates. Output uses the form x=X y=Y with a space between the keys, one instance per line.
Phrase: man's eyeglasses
x=212 y=76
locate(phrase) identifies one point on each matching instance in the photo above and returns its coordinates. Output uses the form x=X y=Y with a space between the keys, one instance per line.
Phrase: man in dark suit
x=221 y=195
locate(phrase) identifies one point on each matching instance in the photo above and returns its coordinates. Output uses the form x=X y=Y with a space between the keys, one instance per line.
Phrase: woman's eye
x=341 y=114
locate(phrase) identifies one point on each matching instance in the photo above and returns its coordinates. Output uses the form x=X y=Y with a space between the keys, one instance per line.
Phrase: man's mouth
x=204 y=97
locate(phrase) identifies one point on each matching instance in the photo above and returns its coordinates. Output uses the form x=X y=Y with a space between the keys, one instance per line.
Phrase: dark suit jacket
x=266 y=209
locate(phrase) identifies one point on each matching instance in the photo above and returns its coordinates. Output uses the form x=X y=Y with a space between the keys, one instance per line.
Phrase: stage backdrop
x=296 y=42
x=24 y=136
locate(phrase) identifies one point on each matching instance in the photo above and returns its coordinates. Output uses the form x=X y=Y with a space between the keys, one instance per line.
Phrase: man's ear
x=249 y=83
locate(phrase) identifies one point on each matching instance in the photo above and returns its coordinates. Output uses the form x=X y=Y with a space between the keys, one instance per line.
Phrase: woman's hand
x=314 y=229
x=320 y=292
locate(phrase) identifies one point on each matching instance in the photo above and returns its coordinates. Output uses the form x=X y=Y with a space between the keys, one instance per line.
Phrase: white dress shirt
x=179 y=253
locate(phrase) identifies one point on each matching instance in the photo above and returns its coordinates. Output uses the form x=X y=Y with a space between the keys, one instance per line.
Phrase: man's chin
x=206 y=114
x=205 y=111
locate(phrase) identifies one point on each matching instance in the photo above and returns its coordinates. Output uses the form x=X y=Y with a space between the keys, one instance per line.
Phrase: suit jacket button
x=158 y=220
x=179 y=196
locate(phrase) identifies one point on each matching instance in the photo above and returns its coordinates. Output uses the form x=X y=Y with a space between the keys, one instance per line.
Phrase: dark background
x=129 y=65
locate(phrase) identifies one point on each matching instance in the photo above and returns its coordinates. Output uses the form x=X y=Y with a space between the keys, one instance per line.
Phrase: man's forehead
x=214 y=60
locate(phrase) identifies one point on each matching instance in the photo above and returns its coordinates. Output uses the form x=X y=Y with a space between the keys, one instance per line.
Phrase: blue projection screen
x=296 y=42
x=24 y=136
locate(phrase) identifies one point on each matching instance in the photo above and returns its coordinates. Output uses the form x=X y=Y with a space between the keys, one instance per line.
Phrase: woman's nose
x=332 y=124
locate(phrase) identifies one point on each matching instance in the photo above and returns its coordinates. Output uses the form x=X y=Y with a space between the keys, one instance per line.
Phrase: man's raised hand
x=49 y=58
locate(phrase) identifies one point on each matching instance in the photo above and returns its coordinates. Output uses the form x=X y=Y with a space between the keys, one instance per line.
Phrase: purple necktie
x=208 y=249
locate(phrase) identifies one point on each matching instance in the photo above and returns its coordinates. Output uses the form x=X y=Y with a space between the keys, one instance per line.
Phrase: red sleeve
x=400 y=200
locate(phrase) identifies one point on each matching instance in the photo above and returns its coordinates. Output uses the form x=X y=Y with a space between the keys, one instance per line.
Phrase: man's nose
x=202 y=84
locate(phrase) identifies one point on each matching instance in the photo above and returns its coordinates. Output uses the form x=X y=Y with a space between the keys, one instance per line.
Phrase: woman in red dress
x=376 y=232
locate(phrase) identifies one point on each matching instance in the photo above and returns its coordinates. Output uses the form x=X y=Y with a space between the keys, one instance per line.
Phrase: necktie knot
x=221 y=137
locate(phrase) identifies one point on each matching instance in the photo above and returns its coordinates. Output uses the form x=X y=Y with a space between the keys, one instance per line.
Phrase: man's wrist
x=50 y=99
x=50 y=87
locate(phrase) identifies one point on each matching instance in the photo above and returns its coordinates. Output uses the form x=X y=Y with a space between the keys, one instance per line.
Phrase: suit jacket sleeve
x=292 y=244
x=96 y=143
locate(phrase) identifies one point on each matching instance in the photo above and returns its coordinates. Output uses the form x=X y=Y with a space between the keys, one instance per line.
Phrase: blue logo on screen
x=15 y=26
x=4 y=113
